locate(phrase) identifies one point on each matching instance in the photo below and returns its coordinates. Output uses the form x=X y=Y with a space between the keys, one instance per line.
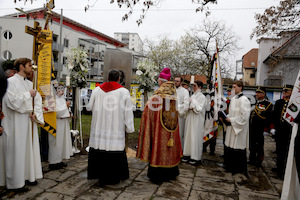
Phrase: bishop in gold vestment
x=159 y=140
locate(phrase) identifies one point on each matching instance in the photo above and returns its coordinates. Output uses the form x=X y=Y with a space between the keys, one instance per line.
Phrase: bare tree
x=146 y=5
x=192 y=53
x=284 y=17
x=206 y=36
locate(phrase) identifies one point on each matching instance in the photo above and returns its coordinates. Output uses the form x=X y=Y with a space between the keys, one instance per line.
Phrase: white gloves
x=272 y=131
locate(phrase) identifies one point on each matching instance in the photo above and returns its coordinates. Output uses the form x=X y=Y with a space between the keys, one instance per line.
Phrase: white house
x=132 y=40
x=278 y=59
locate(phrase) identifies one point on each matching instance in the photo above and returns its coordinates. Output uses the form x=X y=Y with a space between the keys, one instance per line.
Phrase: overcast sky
x=172 y=17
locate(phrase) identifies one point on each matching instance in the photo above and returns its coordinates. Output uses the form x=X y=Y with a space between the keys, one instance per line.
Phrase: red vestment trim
x=110 y=86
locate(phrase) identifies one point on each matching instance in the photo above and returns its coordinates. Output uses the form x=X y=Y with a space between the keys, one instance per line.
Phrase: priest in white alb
x=21 y=141
x=194 y=126
x=60 y=146
x=182 y=106
x=291 y=183
x=112 y=116
x=237 y=134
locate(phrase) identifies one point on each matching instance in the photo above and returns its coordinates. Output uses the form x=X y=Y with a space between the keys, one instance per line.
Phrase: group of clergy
x=21 y=111
x=244 y=128
x=171 y=130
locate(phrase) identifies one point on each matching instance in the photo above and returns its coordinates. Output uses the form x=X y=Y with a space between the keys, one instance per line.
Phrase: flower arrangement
x=147 y=74
x=78 y=65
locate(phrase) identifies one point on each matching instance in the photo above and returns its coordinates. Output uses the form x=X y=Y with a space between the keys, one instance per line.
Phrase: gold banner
x=44 y=65
x=44 y=83
x=50 y=120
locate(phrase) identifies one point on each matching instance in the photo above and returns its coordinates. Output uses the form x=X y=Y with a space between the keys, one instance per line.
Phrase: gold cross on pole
x=37 y=37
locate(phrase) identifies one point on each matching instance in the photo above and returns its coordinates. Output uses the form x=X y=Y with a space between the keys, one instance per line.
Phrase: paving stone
x=78 y=164
x=31 y=194
x=138 y=191
x=133 y=173
x=120 y=185
x=186 y=173
x=56 y=196
x=143 y=176
x=214 y=185
x=136 y=163
x=46 y=183
x=59 y=175
x=73 y=186
x=96 y=193
x=258 y=182
x=159 y=198
x=204 y=195
x=177 y=189
x=217 y=174
x=248 y=195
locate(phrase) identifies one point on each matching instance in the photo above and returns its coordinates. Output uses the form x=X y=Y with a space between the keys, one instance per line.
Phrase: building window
x=55 y=38
x=55 y=56
x=7 y=35
x=7 y=55
x=91 y=50
x=64 y=60
x=81 y=46
x=66 y=43
x=252 y=75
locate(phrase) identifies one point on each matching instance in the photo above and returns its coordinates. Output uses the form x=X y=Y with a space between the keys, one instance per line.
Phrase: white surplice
x=112 y=116
x=60 y=147
x=194 y=126
x=21 y=152
x=183 y=106
x=237 y=134
x=291 y=187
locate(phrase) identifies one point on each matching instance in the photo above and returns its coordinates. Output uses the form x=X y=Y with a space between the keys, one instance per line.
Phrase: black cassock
x=282 y=135
x=260 y=119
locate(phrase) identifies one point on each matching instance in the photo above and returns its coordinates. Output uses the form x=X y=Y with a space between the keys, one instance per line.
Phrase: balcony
x=94 y=72
x=96 y=56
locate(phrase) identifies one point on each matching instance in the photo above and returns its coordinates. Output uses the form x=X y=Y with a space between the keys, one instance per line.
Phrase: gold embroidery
x=169 y=118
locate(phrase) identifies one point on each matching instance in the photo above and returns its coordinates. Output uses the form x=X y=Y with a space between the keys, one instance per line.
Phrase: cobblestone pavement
x=206 y=181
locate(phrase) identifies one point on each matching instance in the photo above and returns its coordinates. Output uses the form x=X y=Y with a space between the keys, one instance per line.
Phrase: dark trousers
x=44 y=145
x=212 y=145
x=284 y=138
x=235 y=160
x=256 y=146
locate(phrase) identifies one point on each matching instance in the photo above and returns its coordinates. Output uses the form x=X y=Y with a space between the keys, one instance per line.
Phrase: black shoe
x=195 y=162
x=56 y=166
x=185 y=159
x=62 y=164
x=19 y=190
x=31 y=183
